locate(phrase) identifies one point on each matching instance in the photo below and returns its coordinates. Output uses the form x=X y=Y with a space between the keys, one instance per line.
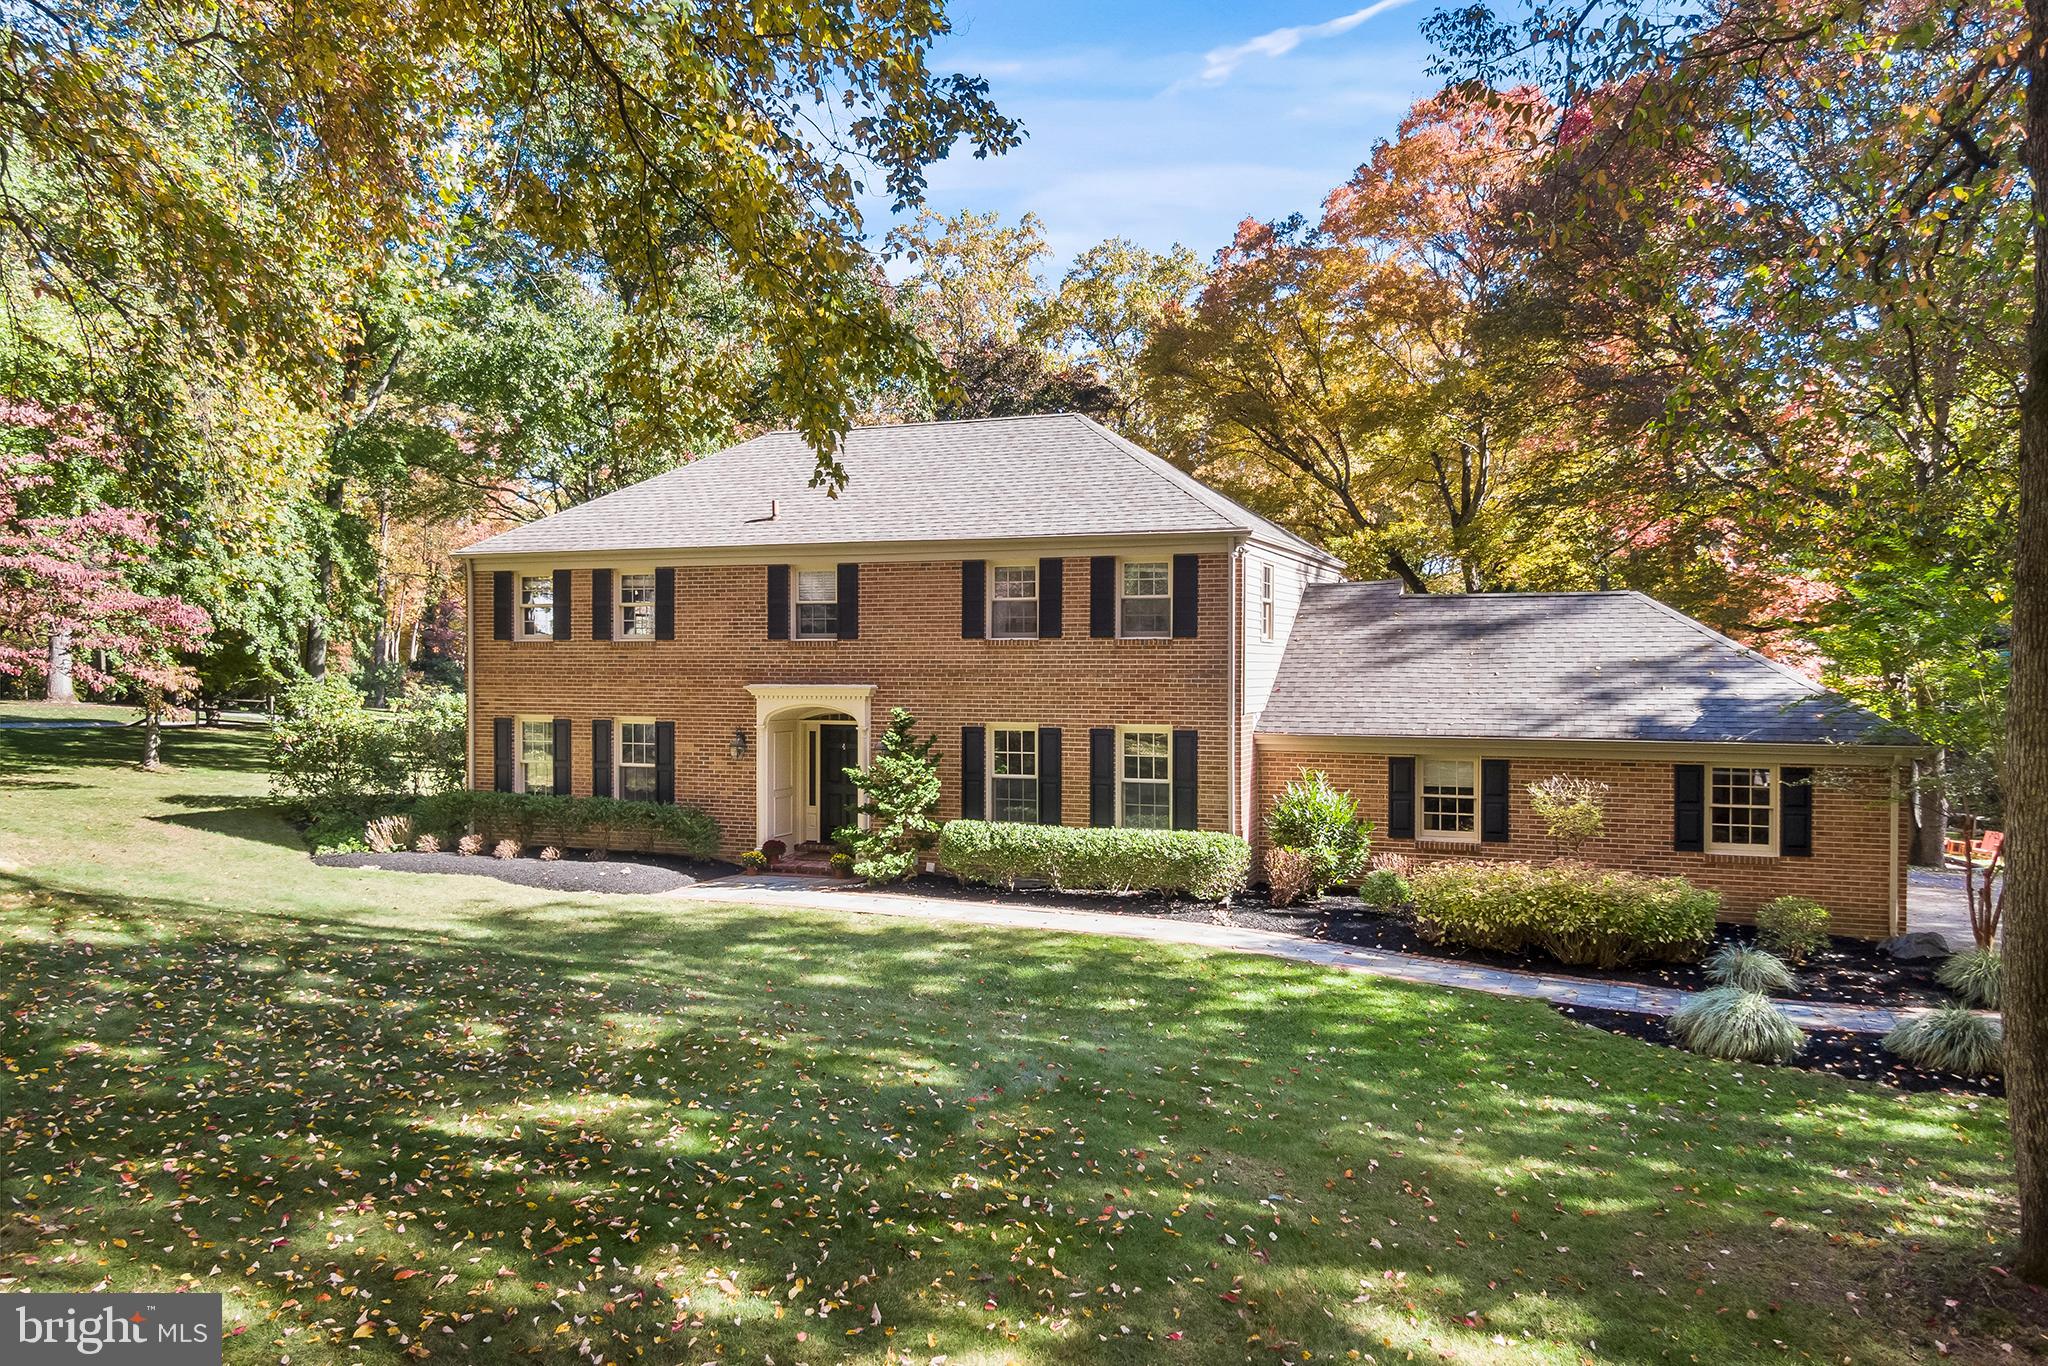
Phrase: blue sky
x=1169 y=122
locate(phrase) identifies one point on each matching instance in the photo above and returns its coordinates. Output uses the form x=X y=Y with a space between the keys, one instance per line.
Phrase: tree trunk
x=152 y=731
x=316 y=625
x=1930 y=810
x=383 y=649
x=2026 y=741
x=57 y=685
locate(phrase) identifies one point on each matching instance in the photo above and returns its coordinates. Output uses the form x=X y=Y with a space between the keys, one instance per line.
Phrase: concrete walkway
x=826 y=894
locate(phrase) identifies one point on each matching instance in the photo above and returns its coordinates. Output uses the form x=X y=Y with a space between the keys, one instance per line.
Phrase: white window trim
x=519 y=724
x=619 y=577
x=1122 y=634
x=619 y=765
x=1122 y=782
x=796 y=582
x=988 y=796
x=1037 y=598
x=1742 y=850
x=1423 y=834
x=519 y=631
x=1268 y=613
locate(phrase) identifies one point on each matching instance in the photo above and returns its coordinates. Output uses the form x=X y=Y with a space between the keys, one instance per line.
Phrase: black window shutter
x=1795 y=812
x=1187 y=596
x=1400 y=798
x=1187 y=778
x=665 y=761
x=1102 y=597
x=973 y=599
x=1102 y=775
x=1052 y=597
x=601 y=758
x=973 y=772
x=565 y=732
x=1689 y=807
x=562 y=597
x=1048 y=775
x=502 y=604
x=778 y=602
x=501 y=753
x=600 y=604
x=665 y=604
x=849 y=601
x=1493 y=801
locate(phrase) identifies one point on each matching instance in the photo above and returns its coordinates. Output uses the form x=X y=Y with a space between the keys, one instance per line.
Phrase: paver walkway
x=825 y=894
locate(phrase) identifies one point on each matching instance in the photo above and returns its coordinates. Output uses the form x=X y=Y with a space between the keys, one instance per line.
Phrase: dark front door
x=838 y=750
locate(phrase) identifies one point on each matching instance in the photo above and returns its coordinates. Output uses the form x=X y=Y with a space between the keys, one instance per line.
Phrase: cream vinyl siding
x=1291 y=574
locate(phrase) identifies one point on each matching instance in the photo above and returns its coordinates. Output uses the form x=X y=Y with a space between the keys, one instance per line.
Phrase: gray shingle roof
x=994 y=479
x=1366 y=659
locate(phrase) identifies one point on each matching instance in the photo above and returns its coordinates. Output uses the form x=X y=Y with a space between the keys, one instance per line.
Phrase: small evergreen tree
x=900 y=798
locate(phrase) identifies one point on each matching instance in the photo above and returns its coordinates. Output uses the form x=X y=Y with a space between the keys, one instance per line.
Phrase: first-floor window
x=1014 y=602
x=1740 y=810
x=636 y=760
x=1145 y=796
x=636 y=606
x=1146 y=607
x=1013 y=776
x=1450 y=799
x=536 y=605
x=536 y=754
x=817 y=604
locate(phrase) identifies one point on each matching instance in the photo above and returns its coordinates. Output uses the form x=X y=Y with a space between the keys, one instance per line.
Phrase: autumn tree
x=1104 y=313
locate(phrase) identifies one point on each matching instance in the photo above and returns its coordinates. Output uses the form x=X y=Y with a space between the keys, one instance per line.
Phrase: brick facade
x=910 y=648
x=1860 y=836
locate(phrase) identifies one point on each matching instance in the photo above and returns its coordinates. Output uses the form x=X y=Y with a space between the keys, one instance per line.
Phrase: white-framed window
x=536 y=606
x=1266 y=601
x=1013 y=602
x=1145 y=606
x=1742 y=810
x=1013 y=773
x=636 y=607
x=536 y=769
x=1450 y=799
x=636 y=759
x=817 y=604
x=1144 y=795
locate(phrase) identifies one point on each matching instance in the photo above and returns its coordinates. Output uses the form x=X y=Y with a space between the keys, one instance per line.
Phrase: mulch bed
x=1856 y=1056
x=642 y=875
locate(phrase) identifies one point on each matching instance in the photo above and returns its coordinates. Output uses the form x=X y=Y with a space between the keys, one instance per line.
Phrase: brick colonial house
x=1097 y=638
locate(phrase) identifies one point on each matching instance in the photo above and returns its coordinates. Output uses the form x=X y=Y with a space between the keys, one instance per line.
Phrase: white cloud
x=1219 y=64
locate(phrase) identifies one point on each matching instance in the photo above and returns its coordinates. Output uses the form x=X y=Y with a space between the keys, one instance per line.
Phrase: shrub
x=1573 y=810
x=429 y=738
x=1321 y=822
x=900 y=798
x=1736 y=1025
x=427 y=844
x=1792 y=926
x=1194 y=863
x=568 y=820
x=327 y=751
x=1758 y=970
x=470 y=845
x=1977 y=976
x=1952 y=1038
x=549 y=854
x=337 y=832
x=1290 y=876
x=1385 y=888
x=753 y=860
x=388 y=834
x=841 y=863
x=1575 y=913
x=505 y=849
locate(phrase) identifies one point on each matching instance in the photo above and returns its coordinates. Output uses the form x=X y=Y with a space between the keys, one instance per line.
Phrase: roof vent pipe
x=769 y=518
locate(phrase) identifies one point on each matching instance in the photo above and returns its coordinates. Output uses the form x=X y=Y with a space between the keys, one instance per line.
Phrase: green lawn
x=67 y=711
x=393 y=1116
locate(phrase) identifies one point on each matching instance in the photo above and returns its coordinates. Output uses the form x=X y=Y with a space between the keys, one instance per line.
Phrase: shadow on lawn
x=590 y=1098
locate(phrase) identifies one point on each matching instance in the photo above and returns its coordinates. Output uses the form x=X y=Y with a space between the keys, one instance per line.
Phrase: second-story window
x=1146 y=609
x=817 y=604
x=636 y=607
x=1266 y=601
x=536 y=605
x=1014 y=602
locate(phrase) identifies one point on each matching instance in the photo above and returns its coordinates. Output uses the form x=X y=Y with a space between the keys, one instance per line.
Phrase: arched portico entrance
x=806 y=735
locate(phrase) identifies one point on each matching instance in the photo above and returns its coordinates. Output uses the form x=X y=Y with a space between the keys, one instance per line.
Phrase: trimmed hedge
x=1574 y=912
x=1196 y=863
x=520 y=816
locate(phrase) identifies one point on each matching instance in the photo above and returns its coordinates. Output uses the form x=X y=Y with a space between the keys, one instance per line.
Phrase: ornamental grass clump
x=1736 y=1026
x=1792 y=927
x=1952 y=1038
x=388 y=834
x=1748 y=969
x=469 y=846
x=1573 y=912
x=505 y=849
x=1976 y=976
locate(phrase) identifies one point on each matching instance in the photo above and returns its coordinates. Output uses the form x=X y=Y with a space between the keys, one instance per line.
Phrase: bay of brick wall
x=1849 y=872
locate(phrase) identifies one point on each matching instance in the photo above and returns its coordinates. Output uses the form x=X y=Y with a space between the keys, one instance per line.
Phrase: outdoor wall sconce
x=739 y=743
